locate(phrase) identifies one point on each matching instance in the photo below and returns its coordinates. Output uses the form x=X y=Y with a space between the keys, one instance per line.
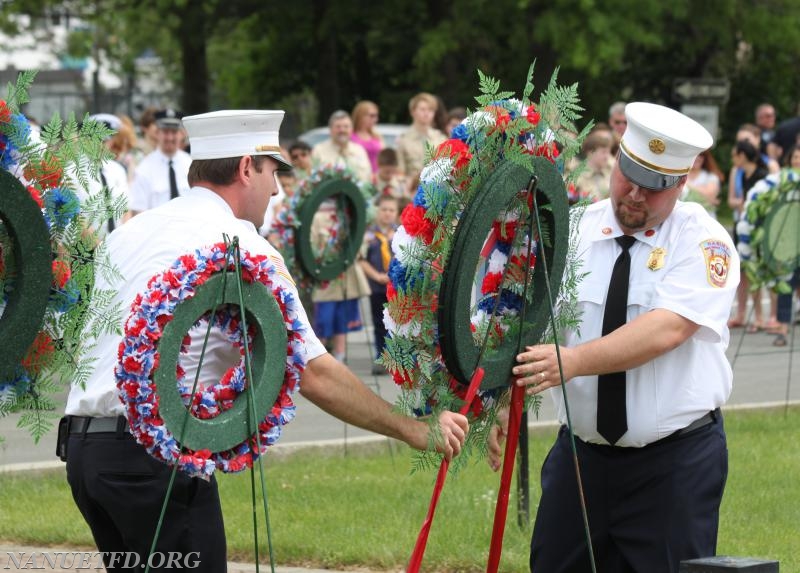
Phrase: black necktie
x=173 y=183
x=107 y=195
x=612 y=417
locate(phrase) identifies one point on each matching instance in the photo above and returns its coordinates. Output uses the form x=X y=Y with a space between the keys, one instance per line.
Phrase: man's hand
x=537 y=367
x=497 y=437
x=453 y=429
x=334 y=388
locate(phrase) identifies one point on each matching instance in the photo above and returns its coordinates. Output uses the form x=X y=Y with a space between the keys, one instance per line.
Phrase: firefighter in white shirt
x=645 y=390
x=118 y=487
x=163 y=174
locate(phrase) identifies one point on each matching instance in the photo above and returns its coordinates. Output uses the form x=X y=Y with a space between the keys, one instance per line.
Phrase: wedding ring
x=541 y=375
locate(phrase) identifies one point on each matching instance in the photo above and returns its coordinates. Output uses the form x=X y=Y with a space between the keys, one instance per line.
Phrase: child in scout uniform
x=375 y=264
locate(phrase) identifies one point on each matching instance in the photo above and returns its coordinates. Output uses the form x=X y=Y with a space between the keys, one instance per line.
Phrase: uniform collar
x=608 y=228
x=200 y=195
x=163 y=157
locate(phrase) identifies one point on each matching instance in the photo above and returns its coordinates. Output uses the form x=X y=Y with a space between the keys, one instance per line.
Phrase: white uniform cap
x=111 y=121
x=236 y=133
x=659 y=145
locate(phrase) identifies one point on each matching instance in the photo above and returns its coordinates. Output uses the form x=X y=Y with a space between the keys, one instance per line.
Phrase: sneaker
x=379 y=370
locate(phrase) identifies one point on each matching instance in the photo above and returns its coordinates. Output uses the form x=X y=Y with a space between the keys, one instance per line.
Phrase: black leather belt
x=709 y=418
x=87 y=425
x=701 y=422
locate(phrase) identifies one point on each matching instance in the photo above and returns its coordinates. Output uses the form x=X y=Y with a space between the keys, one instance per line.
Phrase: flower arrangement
x=287 y=224
x=764 y=198
x=50 y=163
x=139 y=358
x=501 y=129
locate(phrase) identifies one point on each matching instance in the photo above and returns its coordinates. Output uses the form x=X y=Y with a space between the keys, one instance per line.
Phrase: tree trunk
x=192 y=34
x=327 y=65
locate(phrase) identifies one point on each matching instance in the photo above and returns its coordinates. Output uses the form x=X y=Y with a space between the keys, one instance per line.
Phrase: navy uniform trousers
x=649 y=508
x=119 y=488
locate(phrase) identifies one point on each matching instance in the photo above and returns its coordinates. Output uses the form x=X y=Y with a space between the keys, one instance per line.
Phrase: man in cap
x=645 y=372
x=163 y=174
x=118 y=487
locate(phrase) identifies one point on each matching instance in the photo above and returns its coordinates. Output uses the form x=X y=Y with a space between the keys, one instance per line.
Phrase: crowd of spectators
x=156 y=167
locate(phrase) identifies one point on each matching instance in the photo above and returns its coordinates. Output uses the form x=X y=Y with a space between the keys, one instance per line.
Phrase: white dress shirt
x=117 y=181
x=150 y=187
x=694 y=274
x=149 y=244
x=352 y=156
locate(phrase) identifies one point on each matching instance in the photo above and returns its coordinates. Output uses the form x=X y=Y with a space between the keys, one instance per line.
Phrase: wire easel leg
x=587 y=531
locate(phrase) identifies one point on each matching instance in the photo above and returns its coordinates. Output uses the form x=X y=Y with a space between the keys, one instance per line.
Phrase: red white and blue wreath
x=139 y=358
x=503 y=128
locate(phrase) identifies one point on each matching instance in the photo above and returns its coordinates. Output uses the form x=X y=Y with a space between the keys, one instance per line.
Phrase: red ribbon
x=501 y=509
x=422 y=539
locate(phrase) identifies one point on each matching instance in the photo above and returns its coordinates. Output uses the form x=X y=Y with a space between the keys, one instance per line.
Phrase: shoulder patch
x=718 y=258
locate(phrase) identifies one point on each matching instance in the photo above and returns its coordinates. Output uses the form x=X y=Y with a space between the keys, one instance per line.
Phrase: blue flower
x=419 y=198
x=397 y=274
x=460 y=132
x=7 y=155
x=64 y=299
x=401 y=278
x=61 y=207
x=508 y=301
x=437 y=196
x=21 y=127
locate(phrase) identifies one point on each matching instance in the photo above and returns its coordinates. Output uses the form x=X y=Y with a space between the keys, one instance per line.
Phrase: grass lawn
x=365 y=509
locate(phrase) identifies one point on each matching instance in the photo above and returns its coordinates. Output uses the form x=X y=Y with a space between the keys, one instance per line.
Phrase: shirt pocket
x=592 y=291
x=640 y=294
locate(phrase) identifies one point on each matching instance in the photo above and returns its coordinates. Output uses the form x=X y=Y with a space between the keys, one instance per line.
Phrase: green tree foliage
x=268 y=54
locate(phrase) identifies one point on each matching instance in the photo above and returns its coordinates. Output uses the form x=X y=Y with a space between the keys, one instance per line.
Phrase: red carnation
x=226 y=394
x=532 y=115
x=36 y=196
x=548 y=151
x=236 y=465
x=132 y=365
x=506 y=232
x=501 y=118
x=416 y=224
x=402 y=379
x=131 y=389
x=188 y=262
x=456 y=150
x=47 y=172
x=171 y=279
x=391 y=292
x=5 y=112
x=61 y=273
x=491 y=283
x=39 y=352
x=519 y=260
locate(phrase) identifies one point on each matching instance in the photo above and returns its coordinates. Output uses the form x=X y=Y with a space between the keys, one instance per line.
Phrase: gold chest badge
x=656 y=259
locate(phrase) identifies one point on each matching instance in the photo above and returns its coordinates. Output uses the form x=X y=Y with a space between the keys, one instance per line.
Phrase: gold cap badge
x=657 y=146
